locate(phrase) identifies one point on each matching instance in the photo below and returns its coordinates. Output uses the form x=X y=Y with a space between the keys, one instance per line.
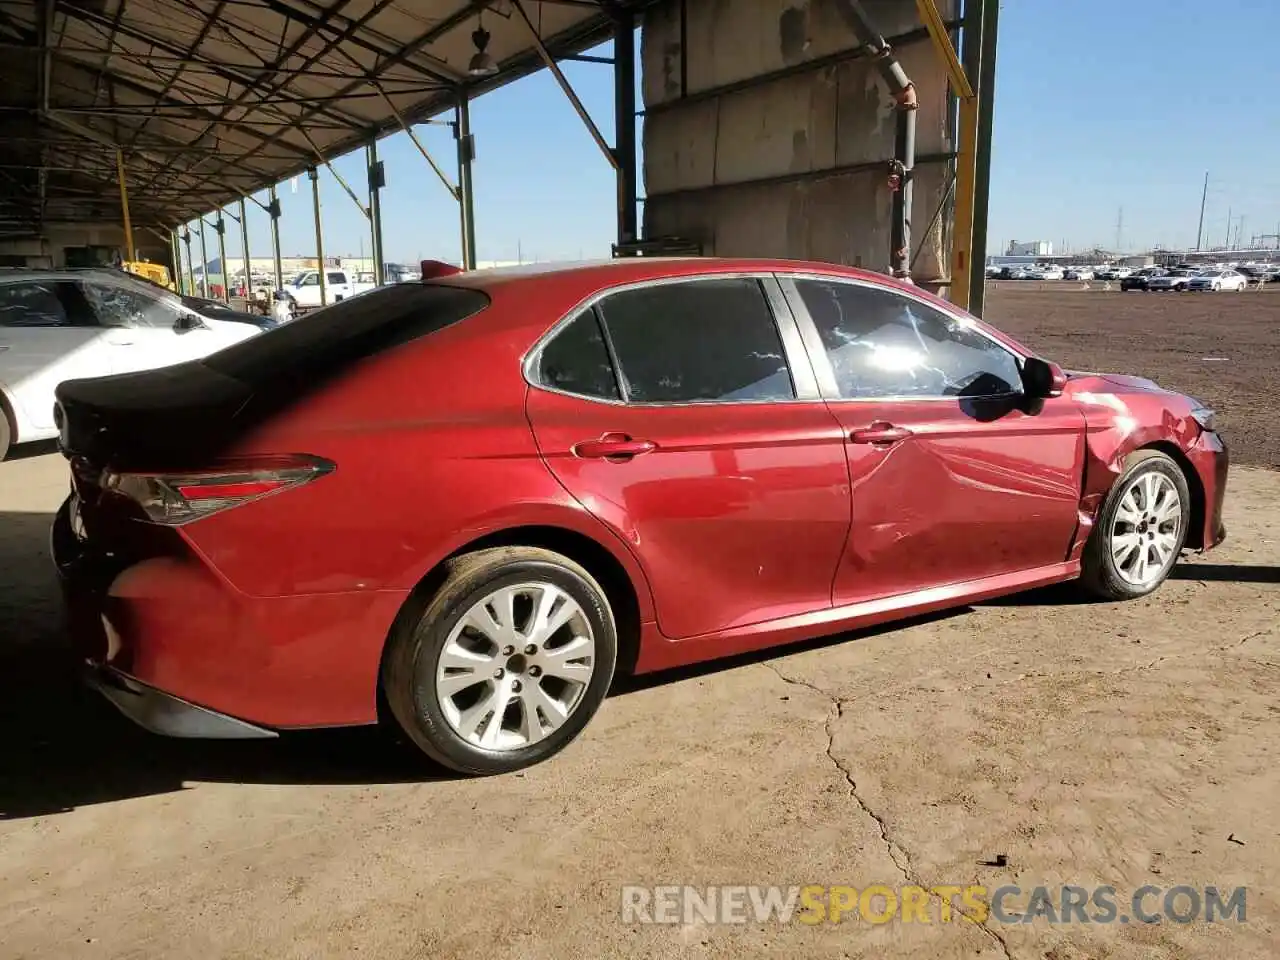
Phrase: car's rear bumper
x=183 y=653
x=166 y=714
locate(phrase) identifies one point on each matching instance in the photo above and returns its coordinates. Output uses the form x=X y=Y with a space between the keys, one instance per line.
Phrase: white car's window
x=32 y=305
x=310 y=280
x=119 y=307
x=336 y=278
x=882 y=344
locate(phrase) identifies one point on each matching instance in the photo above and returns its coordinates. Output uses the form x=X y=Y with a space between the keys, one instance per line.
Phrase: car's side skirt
x=659 y=653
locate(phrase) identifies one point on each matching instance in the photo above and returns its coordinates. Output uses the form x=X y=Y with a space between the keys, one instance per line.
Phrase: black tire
x=6 y=433
x=414 y=650
x=1099 y=574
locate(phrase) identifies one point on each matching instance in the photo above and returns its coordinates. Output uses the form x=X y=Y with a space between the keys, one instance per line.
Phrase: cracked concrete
x=1122 y=744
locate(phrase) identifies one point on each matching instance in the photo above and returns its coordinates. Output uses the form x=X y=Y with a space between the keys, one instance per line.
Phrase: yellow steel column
x=124 y=207
x=967 y=151
x=966 y=176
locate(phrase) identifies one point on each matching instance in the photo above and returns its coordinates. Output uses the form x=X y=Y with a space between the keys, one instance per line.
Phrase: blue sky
x=1100 y=106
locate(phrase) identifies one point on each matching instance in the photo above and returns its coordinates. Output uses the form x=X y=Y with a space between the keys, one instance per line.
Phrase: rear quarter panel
x=433 y=450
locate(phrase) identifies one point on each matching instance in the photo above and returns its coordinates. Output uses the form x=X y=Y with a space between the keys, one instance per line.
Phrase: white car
x=1216 y=280
x=1078 y=273
x=1052 y=273
x=1173 y=280
x=303 y=291
x=71 y=324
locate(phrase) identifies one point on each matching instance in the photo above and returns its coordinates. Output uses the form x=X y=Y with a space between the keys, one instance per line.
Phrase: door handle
x=613 y=446
x=880 y=434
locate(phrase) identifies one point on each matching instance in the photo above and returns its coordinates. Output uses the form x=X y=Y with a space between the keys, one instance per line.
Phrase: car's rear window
x=347 y=332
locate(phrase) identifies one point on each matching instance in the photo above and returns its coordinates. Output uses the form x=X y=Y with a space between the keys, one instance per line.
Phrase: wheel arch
x=628 y=603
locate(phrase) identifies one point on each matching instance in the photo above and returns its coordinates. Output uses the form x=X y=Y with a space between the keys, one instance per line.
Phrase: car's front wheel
x=1140 y=531
x=506 y=663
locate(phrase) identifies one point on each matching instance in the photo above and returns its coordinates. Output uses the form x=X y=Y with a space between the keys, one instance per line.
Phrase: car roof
x=586 y=278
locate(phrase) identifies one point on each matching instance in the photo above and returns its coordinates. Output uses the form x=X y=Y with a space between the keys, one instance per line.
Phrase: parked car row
x=58 y=325
x=1215 y=277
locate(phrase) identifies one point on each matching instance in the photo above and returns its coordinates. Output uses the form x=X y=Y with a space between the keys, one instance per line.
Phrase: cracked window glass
x=883 y=344
x=119 y=307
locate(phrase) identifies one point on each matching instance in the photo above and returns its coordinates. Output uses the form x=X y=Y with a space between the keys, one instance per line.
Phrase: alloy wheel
x=515 y=667
x=1146 y=529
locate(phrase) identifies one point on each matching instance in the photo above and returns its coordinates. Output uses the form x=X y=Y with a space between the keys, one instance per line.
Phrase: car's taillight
x=179 y=497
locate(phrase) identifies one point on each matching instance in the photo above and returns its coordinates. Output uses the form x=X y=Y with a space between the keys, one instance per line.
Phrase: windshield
x=347 y=332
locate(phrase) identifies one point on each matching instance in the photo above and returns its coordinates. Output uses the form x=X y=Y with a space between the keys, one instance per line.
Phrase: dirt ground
x=1120 y=744
x=1220 y=348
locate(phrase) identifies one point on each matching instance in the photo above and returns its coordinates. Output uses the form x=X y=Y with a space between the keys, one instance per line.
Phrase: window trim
x=818 y=351
x=799 y=365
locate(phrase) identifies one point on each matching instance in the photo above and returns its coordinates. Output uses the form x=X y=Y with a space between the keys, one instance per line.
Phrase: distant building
x=1030 y=248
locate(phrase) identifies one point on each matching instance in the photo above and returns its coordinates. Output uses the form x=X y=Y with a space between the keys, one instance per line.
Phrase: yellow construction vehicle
x=157 y=273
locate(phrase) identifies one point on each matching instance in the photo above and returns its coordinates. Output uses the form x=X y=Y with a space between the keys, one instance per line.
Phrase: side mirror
x=1042 y=379
x=189 y=321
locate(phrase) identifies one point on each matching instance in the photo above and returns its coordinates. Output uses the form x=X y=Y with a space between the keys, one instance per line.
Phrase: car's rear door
x=684 y=415
x=47 y=335
x=955 y=475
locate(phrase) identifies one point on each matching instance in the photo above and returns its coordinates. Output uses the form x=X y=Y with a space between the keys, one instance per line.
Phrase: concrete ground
x=1091 y=744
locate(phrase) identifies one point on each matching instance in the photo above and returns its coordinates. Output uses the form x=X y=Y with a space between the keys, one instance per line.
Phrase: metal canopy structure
x=206 y=101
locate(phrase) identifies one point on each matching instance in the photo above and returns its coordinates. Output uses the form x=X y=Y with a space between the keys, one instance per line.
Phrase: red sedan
x=466 y=503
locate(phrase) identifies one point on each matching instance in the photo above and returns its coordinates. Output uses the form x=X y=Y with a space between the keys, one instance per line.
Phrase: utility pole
x=1239 y=231
x=1227 y=244
x=1203 y=197
x=1119 y=229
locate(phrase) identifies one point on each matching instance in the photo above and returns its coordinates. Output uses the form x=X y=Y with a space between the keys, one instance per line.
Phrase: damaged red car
x=464 y=505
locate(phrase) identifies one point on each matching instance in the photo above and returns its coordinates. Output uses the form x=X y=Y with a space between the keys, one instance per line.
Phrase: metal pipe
x=413 y=138
x=191 y=266
x=273 y=210
x=204 y=264
x=124 y=207
x=466 y=193
x=567 y=87
x=221 y=229
x=982 y=163
x=901 y=168
x=314 y=174
x=244 y=247
x=337 y=176
x=175 y=253
x=962 y=251
x=624 y=90
x=375 y=209
x=1204 y=196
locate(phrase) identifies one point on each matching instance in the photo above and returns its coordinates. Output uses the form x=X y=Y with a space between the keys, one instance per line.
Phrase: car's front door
x=684 y=415
x=955 y=474
x=47 y=334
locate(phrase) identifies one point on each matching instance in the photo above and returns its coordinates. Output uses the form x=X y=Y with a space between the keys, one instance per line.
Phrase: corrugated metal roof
x=212 y=99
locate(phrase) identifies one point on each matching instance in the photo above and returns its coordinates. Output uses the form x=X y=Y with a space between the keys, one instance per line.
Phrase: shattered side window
x=121 y=307
x=882 y=344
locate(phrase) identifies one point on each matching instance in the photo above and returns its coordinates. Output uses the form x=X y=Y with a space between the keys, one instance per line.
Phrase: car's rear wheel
x=6 y=434
x=1140 y=531
x=507 y=662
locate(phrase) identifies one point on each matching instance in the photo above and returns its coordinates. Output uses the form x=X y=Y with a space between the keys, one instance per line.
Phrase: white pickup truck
x=303 y=291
